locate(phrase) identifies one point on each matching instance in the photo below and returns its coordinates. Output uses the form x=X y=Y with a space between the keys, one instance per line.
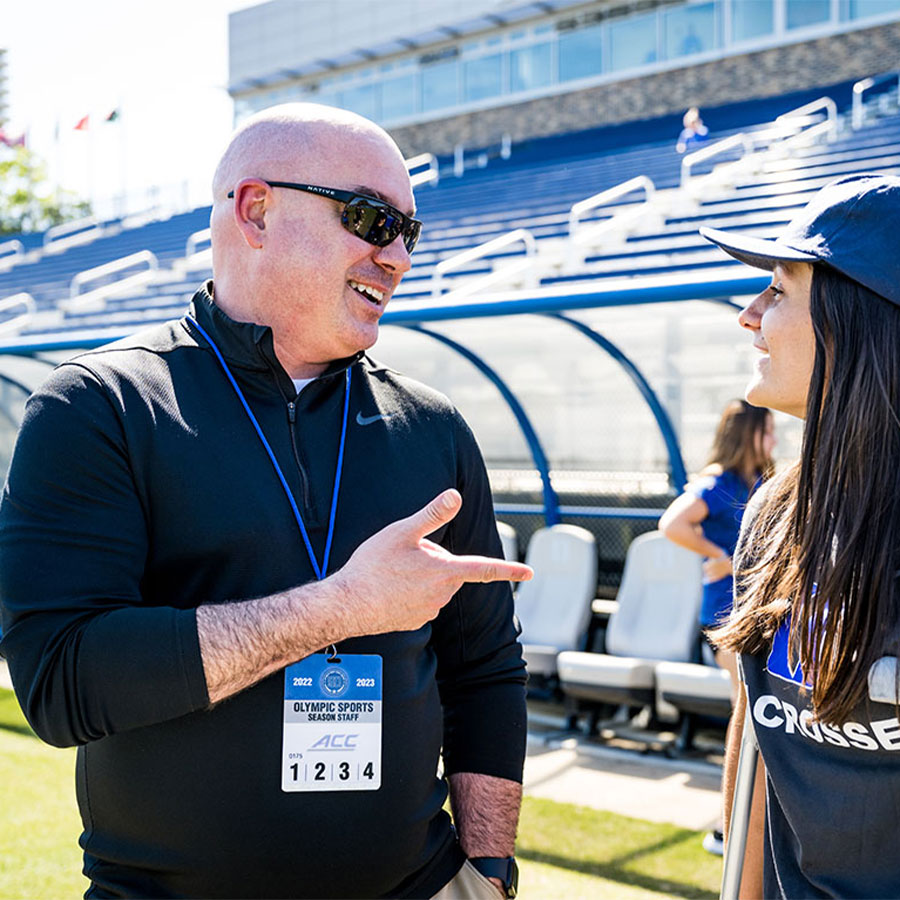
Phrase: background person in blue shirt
x=694 y=133
x=706 y=518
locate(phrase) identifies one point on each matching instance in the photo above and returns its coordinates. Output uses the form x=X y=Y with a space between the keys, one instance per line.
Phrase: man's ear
x=251 y=200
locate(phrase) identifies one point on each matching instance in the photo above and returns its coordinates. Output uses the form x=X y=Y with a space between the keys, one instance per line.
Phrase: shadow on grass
x=11 y=718
x=612 y=870
x=17 y=729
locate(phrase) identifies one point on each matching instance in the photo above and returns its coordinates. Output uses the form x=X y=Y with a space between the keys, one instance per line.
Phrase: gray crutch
x=733 y=866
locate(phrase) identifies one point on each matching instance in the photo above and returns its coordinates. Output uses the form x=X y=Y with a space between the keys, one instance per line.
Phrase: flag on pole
x=10 y=141
x=83 y=123
x=113 y=116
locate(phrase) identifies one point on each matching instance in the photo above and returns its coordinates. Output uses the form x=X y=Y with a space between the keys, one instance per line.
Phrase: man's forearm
x=397 y=580
x=485 y=812
x=241 y=643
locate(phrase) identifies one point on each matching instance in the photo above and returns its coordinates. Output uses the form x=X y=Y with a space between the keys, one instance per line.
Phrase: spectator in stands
x=817 y=609
x=165 y=536
x=694 y=133
x=706 y=518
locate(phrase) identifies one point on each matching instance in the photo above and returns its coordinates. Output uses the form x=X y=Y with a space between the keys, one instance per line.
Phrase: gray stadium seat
x=509 y=541
x=692 y=688
x=554 y=608
x=659 y=601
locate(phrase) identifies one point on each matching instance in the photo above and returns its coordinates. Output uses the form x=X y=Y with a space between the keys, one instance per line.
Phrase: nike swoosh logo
x=368 y=420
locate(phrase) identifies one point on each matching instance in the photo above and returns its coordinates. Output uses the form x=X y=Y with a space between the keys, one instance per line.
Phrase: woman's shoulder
x=766 y=490
x=714 y=478
x=755 y=504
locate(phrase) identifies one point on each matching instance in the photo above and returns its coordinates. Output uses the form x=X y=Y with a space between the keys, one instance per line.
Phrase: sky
x=162 y=64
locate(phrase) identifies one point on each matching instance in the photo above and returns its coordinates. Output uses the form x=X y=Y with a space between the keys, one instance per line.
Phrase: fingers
x=484 y=568
x=433 y=515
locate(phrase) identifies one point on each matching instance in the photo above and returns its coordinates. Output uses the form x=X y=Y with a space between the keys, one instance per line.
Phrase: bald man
x=252 y=574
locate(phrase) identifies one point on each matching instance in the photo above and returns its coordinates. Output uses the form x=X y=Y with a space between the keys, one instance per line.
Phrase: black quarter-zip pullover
x=138 y=491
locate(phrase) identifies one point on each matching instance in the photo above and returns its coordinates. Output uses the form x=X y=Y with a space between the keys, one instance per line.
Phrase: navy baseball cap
x=852 y=225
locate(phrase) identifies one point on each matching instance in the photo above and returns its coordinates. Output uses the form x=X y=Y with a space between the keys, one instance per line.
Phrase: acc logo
x=334 y=681
x=335 y=742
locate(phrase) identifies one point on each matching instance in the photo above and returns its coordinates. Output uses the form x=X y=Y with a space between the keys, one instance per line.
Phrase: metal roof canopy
x=494 y=19
x=720 y=287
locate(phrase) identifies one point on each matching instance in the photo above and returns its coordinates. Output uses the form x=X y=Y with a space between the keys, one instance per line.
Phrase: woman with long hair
x=817 y=605
x=706 y=518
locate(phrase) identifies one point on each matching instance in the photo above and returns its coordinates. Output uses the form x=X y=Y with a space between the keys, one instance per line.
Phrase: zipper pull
x=292 y=411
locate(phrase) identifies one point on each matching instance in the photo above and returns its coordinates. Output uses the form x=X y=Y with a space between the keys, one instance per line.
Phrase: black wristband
x=501 y=867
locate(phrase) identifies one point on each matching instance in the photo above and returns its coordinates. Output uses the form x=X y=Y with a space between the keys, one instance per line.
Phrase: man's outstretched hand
x=398 y=580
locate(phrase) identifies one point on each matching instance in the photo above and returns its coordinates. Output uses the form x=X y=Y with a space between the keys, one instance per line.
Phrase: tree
x=27 y=201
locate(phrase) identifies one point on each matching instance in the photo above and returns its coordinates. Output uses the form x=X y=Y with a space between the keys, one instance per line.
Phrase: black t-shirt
x=832 y=794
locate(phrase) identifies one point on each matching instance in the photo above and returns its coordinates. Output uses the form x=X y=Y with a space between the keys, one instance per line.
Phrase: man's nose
x=394 y=257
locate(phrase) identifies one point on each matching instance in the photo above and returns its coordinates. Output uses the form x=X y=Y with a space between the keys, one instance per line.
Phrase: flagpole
x=57 y=161
x=90 y=169
x=123 y=159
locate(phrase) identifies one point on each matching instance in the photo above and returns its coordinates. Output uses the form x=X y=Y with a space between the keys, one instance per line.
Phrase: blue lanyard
x=320 y=572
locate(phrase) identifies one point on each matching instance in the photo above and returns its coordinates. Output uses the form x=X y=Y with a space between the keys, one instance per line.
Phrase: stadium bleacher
x=534 y=189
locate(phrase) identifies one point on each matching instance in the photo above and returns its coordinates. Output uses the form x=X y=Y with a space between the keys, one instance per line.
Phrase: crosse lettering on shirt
x=771 y=712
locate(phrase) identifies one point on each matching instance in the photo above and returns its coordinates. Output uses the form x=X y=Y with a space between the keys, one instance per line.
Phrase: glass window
x=690 y=29
x=439 y=85
x=801 y=13
x=632 y=42
x=483 y=77
x=398 y=97
x=362 y=100
x=530 y=68
x=862 y=9
x=751 y=20
x=580 y=52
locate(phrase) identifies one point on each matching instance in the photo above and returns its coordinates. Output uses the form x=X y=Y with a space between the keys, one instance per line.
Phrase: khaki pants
x=468 y=884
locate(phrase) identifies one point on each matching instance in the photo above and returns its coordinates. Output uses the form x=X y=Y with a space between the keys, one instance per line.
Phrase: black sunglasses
x=369 y=218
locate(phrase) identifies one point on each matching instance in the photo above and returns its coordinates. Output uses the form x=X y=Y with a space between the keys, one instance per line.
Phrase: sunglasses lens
x=411 y=235
x=379 y=225
x=361 y=218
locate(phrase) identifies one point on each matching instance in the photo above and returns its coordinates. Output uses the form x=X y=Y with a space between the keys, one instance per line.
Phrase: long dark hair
x=738 y=444
x=824 y=547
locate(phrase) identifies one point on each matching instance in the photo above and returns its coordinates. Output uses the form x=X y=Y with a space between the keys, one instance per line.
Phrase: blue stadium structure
x=560 y=295
x=556 y=226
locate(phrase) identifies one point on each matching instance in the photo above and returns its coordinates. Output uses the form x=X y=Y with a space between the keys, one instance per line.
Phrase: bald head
x=294 y=141
x=286 y=258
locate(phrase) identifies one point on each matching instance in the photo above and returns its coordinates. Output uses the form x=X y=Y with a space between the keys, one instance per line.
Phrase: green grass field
x=564 y=850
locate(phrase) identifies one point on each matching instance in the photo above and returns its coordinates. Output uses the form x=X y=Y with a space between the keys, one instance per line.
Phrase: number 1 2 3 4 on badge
x=332 y=724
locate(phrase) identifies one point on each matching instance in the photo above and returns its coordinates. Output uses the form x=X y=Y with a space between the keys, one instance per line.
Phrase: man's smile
x=368 y=291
